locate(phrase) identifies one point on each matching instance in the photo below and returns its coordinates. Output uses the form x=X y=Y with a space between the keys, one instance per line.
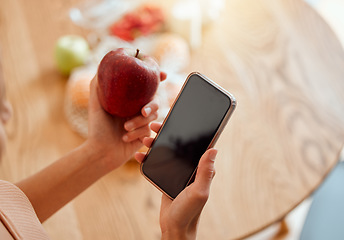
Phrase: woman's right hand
x=179 y=218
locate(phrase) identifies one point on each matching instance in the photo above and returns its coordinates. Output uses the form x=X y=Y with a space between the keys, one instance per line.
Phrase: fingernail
x=212 y=174
x=129 y=126
x=125 y=138
x=212 y=155
x=148 y=110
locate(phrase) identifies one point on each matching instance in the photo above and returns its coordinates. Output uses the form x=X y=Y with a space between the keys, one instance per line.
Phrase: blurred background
x=274 y=56
x=332 y=11
x=169 y=31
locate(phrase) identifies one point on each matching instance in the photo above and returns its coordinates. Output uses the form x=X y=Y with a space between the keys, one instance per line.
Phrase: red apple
x=127 y=80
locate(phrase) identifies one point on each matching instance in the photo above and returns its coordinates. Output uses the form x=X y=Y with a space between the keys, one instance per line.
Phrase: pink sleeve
x=17 y=214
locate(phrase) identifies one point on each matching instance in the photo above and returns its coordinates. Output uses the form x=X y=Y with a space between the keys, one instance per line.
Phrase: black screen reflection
x=186 y=135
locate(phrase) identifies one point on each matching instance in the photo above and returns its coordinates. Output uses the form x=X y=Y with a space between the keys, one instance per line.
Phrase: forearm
x=176 y=235
x=56 y=185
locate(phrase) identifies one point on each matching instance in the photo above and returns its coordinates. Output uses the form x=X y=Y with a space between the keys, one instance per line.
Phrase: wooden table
x=279 y=58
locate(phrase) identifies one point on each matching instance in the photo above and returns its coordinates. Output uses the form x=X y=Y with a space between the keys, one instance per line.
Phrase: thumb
x=93 y=100
x=206 y=171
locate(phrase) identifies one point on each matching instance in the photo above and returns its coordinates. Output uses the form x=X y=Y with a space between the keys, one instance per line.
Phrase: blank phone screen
x=187 y=133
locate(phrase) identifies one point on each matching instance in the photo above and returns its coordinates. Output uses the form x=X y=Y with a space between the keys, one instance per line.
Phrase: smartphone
x=193 y=124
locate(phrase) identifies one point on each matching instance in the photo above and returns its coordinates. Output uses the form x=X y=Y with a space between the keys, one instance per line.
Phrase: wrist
x=96 y=157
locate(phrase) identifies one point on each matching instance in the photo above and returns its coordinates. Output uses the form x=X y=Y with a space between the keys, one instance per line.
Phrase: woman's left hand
x=114 y=138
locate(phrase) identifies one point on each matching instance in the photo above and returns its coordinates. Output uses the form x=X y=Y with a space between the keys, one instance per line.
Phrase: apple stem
x=137 y=52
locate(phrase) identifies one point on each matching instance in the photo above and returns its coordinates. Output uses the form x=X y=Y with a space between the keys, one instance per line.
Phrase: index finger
x=150 y=108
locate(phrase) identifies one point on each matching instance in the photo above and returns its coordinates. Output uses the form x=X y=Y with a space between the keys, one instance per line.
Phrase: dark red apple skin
x=126 y=83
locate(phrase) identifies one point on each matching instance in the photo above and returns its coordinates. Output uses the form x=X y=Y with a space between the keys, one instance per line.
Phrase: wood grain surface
x=279 y=58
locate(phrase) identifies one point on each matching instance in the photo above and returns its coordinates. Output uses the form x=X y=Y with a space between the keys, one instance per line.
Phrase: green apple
x=71 y=51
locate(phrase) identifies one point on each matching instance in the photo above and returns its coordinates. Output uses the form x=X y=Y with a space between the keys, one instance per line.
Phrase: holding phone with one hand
x=194 y=123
